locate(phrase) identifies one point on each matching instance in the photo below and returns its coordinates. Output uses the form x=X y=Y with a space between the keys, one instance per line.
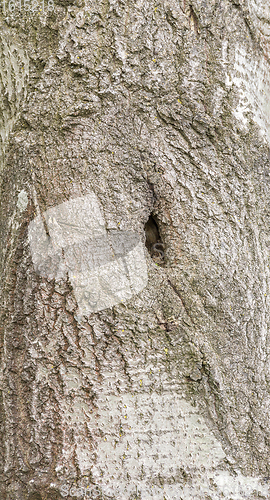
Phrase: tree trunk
x=135 y=250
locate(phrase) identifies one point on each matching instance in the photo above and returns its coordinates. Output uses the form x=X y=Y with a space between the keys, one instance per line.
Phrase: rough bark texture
x=158 y=108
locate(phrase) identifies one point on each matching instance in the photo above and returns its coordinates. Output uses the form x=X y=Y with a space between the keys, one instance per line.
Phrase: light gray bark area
x=157 y=108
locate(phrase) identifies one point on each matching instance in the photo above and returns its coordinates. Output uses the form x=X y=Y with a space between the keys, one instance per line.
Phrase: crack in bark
x=181 y=299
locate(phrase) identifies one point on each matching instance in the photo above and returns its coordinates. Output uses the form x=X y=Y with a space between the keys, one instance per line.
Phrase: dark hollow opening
x=153 y=241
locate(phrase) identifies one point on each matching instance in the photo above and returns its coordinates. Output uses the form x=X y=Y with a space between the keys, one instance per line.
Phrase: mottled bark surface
x=157 y=108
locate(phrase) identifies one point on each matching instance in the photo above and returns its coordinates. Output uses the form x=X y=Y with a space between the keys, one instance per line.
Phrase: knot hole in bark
x=153 y=241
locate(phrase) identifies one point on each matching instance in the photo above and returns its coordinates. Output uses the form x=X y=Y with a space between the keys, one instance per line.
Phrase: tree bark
x=141 y=125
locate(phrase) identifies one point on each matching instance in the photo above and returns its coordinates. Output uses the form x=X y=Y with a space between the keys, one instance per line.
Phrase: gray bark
x=155 y=110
